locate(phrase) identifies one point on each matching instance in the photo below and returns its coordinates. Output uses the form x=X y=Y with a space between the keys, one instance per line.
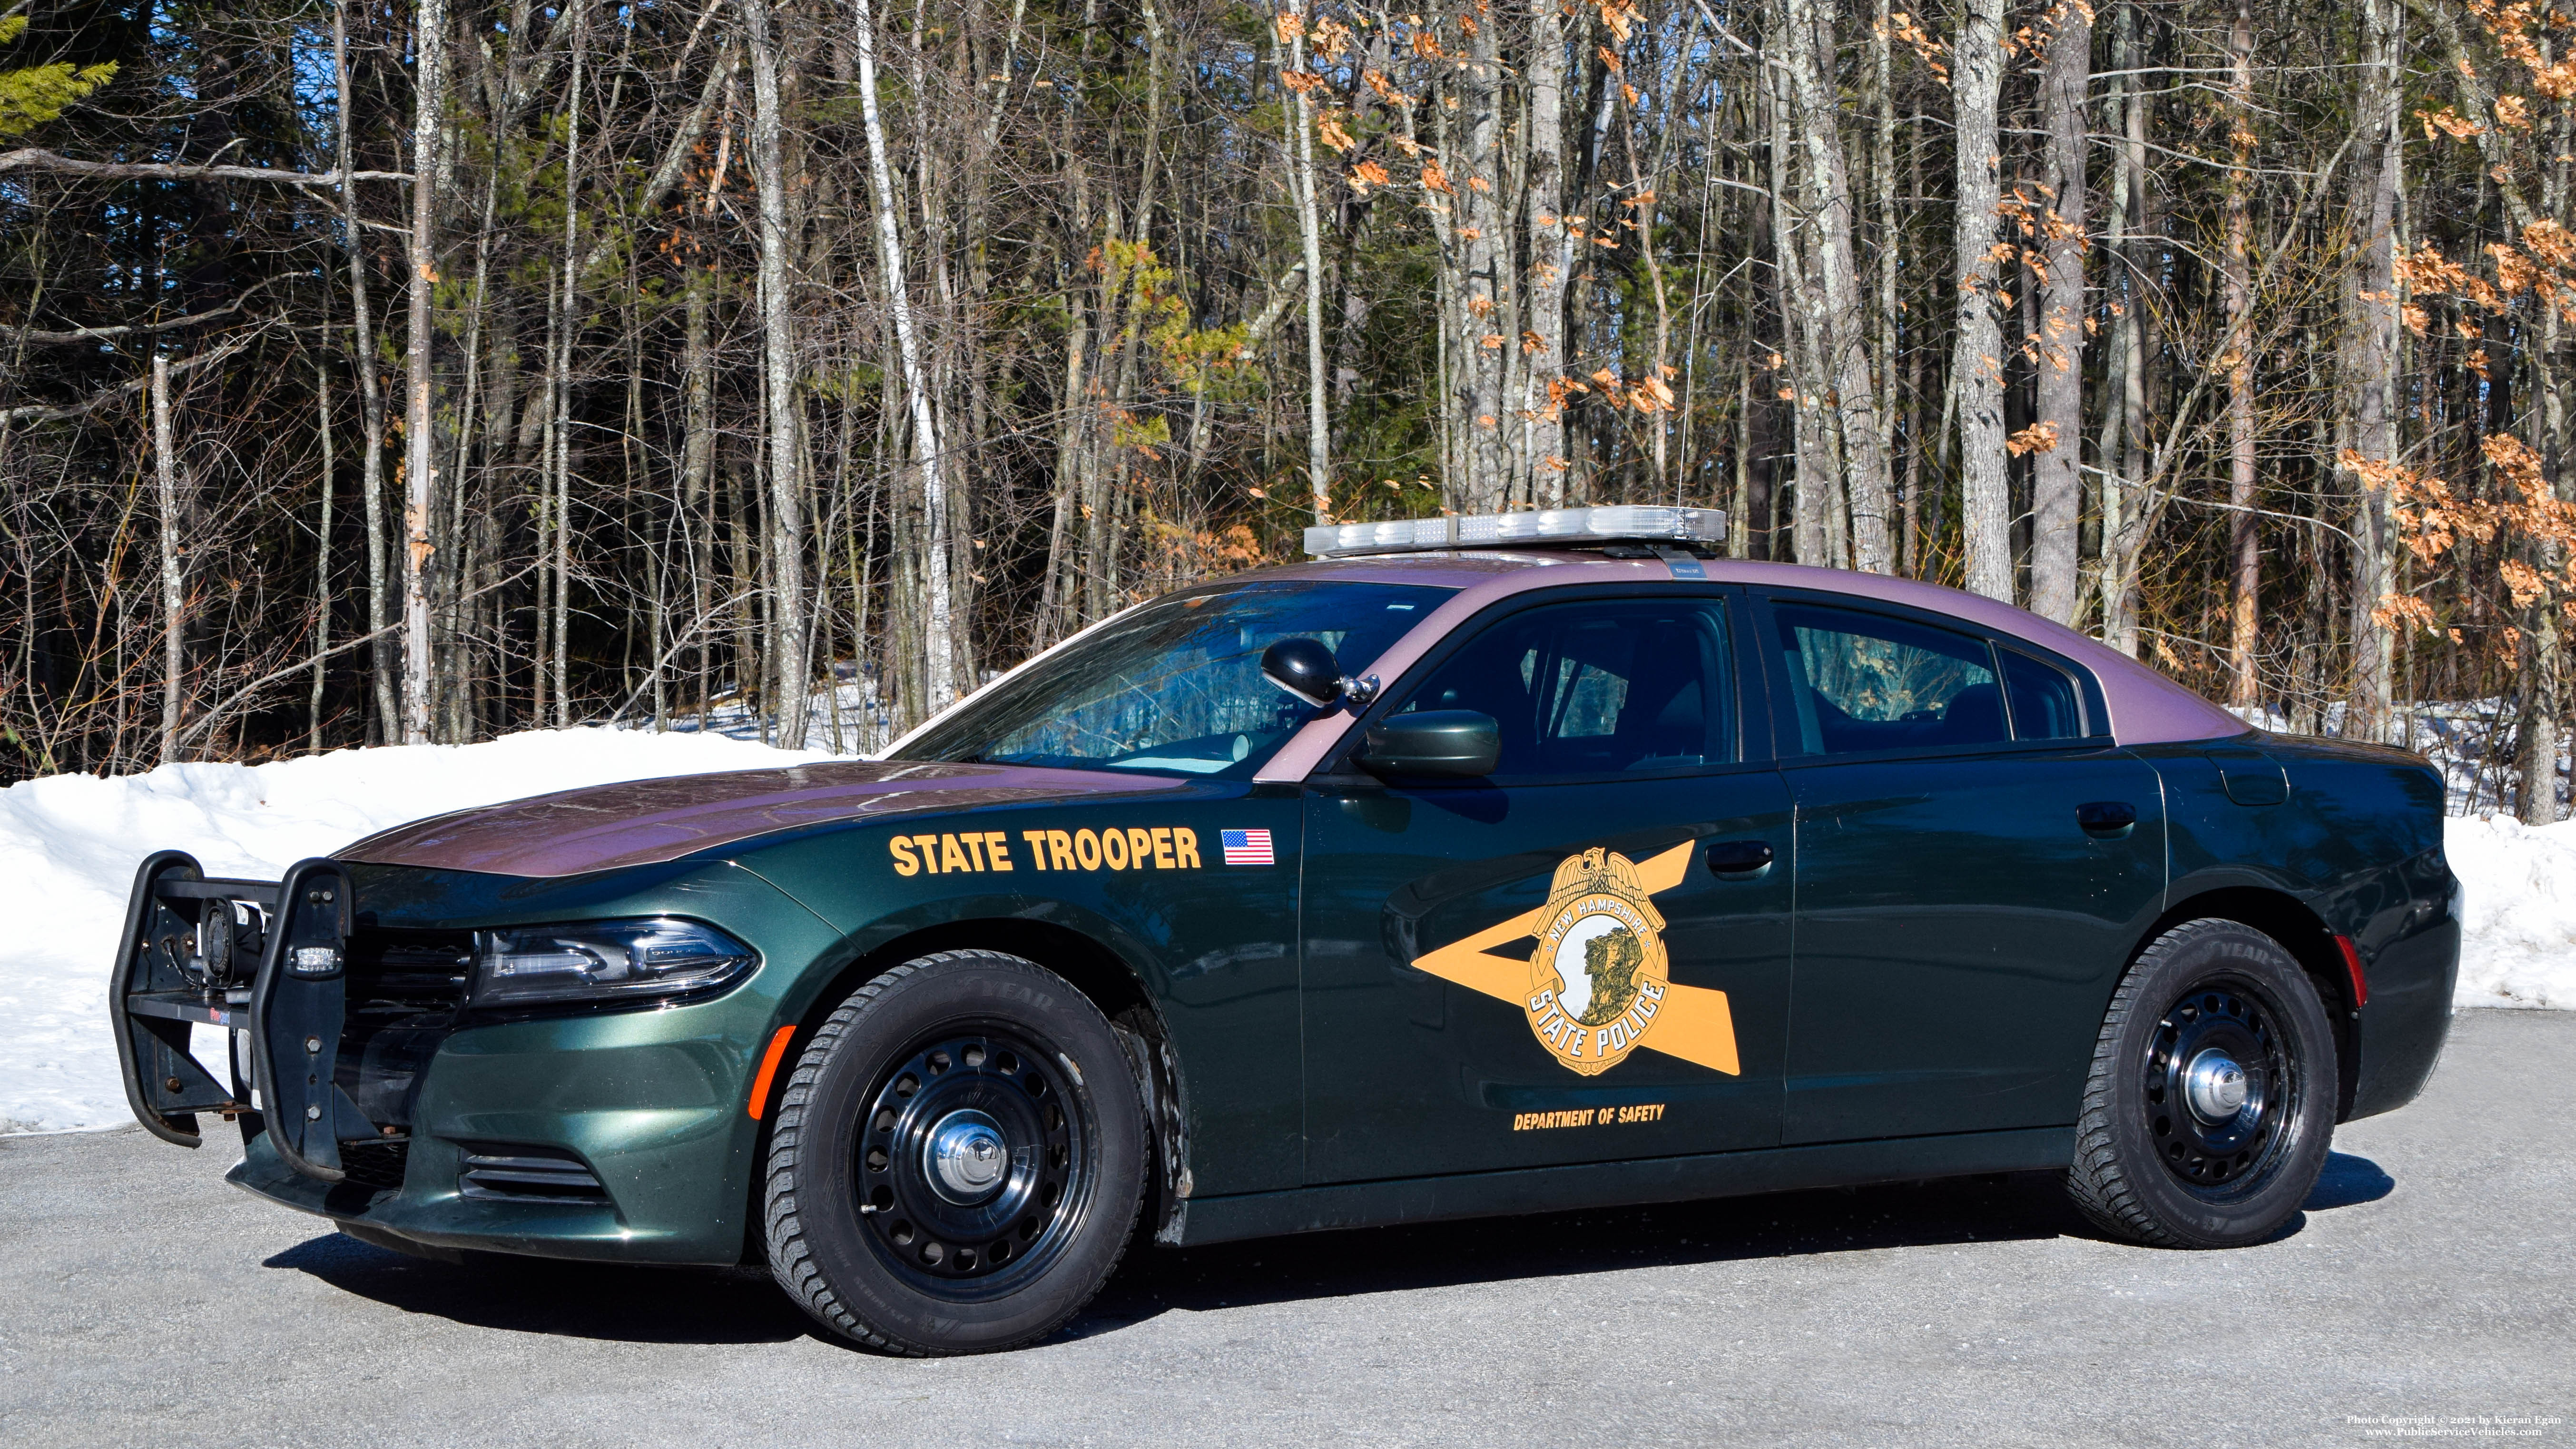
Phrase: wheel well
x=2309 y=941
x=1096 y=971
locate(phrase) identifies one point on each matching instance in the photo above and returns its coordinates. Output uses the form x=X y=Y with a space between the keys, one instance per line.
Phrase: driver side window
x=1606 y=687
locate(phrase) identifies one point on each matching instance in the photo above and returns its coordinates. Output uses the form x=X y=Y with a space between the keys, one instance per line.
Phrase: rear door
x=1540 y=967
x=1967 y=894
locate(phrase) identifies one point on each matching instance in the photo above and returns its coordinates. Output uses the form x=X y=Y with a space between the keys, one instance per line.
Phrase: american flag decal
x=1246 y=847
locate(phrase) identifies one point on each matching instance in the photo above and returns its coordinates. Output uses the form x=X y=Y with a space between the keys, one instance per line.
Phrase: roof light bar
x=1645 y=523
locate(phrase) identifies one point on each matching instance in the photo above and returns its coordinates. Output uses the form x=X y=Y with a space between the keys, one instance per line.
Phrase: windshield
x=1176 y=686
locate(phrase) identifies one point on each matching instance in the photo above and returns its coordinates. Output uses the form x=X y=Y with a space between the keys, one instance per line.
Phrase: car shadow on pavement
x=622 y=1302
x=639 y=1304
x=2015 y=1207
x=2348 y=1181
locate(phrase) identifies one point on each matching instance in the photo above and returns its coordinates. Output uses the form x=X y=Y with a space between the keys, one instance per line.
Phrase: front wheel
x=2212 y=1097
x=959 y=1158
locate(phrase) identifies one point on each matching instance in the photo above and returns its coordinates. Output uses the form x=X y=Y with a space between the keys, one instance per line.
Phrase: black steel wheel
x=2218 y=1085
x=2210 y=1106
x=972 y=1175
x=958 y=1159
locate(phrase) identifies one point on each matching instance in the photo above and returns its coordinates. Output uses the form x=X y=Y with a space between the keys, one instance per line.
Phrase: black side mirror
x=1304 y=668
x=1442 y=743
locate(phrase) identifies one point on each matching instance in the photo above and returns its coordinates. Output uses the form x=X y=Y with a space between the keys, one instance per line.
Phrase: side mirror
x=1308 y=670
x=1444 y=743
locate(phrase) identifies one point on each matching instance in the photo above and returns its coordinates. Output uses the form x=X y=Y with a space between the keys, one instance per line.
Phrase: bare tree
x=2370 y=365
x=1976 y=359
x=174 y=597
x=2244 y=534
x=2057 y=493
x=1841 y=328
x=1319 y=446
x=939 y=631
x=420 y=461
x=778 y=380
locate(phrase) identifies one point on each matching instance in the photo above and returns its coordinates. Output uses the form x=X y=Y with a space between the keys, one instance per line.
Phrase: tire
x=2159 y=1157
x=895 y=1245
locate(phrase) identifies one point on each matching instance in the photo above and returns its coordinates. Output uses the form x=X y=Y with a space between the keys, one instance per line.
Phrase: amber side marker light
x=778 y=1048
x=2351 y=963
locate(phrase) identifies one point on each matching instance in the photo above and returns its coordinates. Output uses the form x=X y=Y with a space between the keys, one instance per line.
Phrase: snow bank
x=2519 y=911
x=69 y=845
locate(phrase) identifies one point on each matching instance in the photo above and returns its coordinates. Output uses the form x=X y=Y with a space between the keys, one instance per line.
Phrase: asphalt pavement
x=2430 y=1283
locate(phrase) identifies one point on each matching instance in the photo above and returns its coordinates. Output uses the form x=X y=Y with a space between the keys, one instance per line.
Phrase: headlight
x=603 y=961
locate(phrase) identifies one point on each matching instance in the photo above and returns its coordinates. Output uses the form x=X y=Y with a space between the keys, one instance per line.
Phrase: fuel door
x=296 y=1007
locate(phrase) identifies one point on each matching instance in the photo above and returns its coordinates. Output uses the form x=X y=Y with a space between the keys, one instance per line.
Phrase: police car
x=1482 y=865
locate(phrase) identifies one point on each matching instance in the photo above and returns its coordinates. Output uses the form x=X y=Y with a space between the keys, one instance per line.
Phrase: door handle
x=2110 y=819
x=1739 y=859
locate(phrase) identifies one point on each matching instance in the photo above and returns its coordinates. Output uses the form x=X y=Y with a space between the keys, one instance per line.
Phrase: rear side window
x=1860 y=683
x=2045 y=703
x=1607 y=687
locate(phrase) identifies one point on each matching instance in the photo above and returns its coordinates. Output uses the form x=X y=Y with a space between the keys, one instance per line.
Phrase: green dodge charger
x=1483 y=865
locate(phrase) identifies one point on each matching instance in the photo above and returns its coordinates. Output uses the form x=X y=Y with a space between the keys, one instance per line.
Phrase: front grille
x=518 y=1172
x=409 y=972
x=375 y=1164
x=406 y=990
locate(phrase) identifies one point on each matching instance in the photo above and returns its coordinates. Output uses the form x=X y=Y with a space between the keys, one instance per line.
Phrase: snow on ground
x=69 y=845
x=2518 y=911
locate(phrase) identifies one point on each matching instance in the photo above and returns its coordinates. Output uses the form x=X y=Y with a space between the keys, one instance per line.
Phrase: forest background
x=427 y=370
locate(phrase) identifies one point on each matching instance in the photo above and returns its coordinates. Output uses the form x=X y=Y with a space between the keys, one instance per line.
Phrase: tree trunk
x=559 y=394
x=778 y=373
x=1815 y=468
x=939 y=679
x=2543 y=695
x=2244 y=538
x=1891 y=237
x=697 y=459
x=1543 y=208
x=2125 y=517
x=1476 y=176
x=1842 y=341
x=1976 y=359
x=2370 y=379
x=321 y=559
x=2057 y=487
x=420 y=453
x=371 y=405
x=1319 y=448
x=174 y=599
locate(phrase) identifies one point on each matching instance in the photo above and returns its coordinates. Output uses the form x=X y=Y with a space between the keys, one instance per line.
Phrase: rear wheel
x=2211 y=1101
x=958 y=1159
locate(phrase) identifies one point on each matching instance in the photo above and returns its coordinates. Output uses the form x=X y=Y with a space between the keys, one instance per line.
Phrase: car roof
x=2145 y=706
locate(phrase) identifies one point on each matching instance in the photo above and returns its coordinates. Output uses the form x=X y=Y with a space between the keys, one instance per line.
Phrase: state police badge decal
x=1600 y=984
x=1600 y=975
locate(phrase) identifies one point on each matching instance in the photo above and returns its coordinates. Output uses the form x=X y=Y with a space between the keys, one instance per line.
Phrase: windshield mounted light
x=603 y=961
x=1644 y=523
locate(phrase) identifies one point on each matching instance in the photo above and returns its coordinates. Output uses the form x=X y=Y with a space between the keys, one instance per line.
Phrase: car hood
x=640 y=822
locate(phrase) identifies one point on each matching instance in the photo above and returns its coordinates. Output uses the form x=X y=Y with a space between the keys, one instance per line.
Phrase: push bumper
x=611 y=1134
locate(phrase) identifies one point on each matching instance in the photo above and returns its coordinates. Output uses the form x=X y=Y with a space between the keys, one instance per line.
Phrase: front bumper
x=611 y=1134
x=648 y=1106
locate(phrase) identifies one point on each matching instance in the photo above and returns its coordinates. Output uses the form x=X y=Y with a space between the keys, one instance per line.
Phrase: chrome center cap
x=965 y=1156
x=2215 y=1085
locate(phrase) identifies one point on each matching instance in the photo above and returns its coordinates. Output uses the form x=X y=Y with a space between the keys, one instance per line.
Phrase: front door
x=1541 y=967
x=1967 y=890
